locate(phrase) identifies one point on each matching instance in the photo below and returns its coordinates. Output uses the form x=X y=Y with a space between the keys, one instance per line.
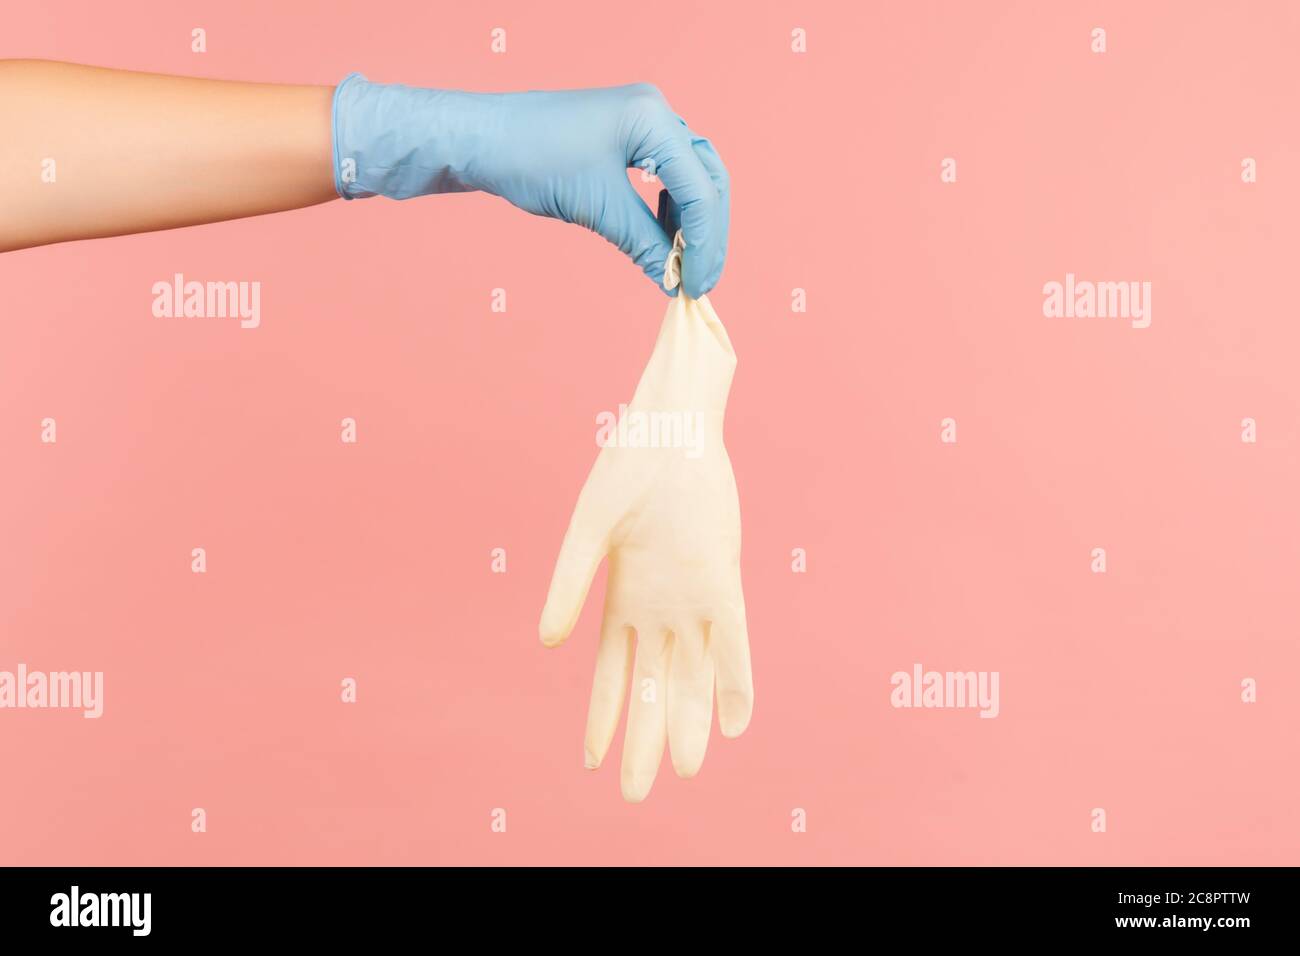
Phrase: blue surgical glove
x=563 y=154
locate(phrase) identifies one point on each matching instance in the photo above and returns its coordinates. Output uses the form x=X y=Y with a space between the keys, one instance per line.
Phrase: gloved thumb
x=628 y=223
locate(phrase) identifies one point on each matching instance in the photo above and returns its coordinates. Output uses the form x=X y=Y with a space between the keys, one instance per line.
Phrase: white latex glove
x=669 y=520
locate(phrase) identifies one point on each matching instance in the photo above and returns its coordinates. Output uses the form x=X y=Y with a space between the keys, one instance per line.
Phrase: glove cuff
x=402 y=141
x=345 y=169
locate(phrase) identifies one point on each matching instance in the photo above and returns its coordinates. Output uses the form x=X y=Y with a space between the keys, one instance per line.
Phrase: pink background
x=476 y=429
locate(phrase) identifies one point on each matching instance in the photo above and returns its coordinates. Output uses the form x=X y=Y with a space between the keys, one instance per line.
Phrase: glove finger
x=628 y=223
x=613 y=667
x=574 y=570
x=580 y=554
x=690 y=699
x=670 y=214
x=728 y=644
x=683 y=174
x=712 y=163
x=643 y=746
x=585 y=543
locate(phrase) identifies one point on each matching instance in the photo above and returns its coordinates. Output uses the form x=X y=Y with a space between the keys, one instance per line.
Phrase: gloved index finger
x=703 y=212
x=712 y=163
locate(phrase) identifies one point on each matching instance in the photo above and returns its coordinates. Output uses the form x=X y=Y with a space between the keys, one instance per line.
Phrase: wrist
x=401 y=141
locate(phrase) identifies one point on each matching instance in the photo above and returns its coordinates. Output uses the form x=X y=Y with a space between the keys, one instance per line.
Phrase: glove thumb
x=585 y=544
x=628 y=223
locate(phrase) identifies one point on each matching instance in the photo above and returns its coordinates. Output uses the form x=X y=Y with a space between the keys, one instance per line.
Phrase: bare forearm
x=94 y=152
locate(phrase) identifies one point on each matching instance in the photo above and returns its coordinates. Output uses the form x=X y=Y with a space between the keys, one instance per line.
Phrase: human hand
x=559 y=154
